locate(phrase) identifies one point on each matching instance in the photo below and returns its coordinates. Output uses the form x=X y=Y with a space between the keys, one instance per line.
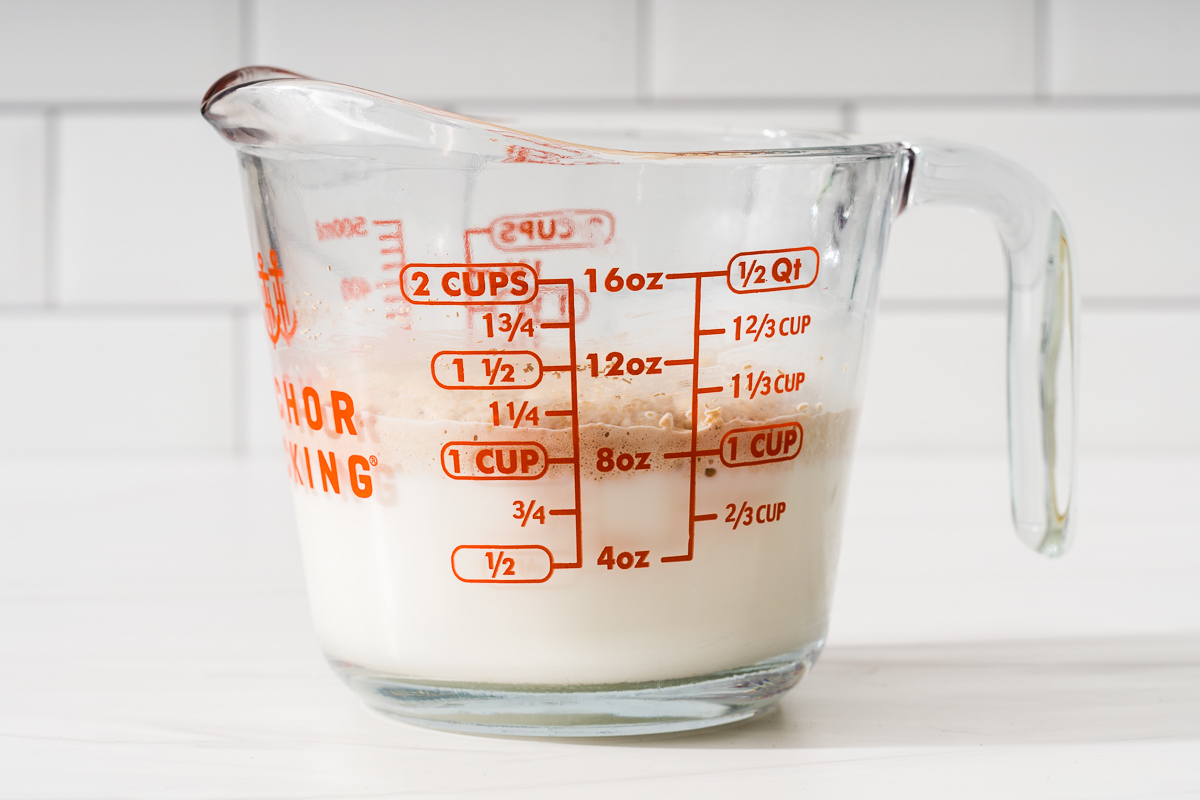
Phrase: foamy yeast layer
x=663 y=400
x=414 y=446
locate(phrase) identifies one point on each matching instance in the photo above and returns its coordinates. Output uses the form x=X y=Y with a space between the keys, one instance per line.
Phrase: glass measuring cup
x=569 y=426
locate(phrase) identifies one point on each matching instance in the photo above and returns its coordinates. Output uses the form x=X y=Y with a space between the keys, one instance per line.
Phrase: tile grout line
x=51 y=174
x=97 y=106
x=642 y=50
x=247 y=33
x=132 y=310
x=1041 y=49
x=849 y=113
x=966 y=103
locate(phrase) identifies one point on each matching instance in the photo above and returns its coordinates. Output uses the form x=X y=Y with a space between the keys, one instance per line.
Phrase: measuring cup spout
x=275 y=113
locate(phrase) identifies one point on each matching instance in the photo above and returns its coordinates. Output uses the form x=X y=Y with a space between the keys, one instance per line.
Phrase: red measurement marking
x=551 y=230
x=773 y=270
x=468 y=284
x=617 y=365
x=695 y=359
x=355 y=289
x=513 y=563
x=745 y=514
x=395 y=235
x=392 y=252
x=682 y=275
x=615 y=281
x=486 y=369
x=516 y=154
x=769 y=327
x=763 y=444
x=525 y=413
x=494 y=461
x=345 y=228
x=609 y=558
x=529 y=511
x=607 y=460
x=281 y=322
x=764 y=384
x=569 y=284
x=467 y=241
x=508 y=325
x=691 y=453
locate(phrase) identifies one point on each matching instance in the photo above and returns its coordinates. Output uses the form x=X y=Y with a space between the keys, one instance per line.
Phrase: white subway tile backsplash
x=102 y=383
x=150 y=211
x=259 y=409
x=161 y=347
x=938 y=379
x=1126 y=179
x=104 y=50
x=22 y=209
x=943 y=253
x=1140 y=384
x=775 y=48
x=1124 y=47
x=456 y=48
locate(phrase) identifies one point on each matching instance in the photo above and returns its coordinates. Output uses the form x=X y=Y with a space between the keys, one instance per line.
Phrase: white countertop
x=154 y=643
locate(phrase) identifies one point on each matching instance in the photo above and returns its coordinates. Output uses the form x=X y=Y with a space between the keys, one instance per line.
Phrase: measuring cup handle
x=1042 y=338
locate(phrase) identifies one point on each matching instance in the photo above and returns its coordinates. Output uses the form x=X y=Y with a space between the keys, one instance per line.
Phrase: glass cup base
x=623 y=709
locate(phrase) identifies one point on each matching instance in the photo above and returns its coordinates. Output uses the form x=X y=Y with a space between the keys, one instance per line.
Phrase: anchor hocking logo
x=281 y=322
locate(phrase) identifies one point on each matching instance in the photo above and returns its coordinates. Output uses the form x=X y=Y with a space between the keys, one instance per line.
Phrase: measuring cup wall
x=560 y=425
x=568 y=428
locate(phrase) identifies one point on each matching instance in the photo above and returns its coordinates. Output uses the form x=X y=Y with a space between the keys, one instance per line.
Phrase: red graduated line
x=558 y=413
x=710 y=389
x=695 y=425
x=398 y=235
x=557 y=368
x=700 y=518
x=690 y=453
x=712 y=331
x=467 y=242
x=716 y=274
x=678 y=362
x=560 y=461
x=568 y=512
x=573 y=413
